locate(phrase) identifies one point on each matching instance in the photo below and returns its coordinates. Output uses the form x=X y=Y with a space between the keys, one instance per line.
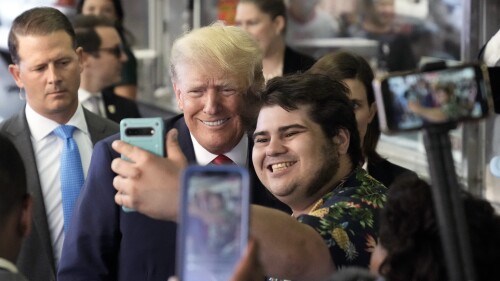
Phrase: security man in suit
x=47 y=66
x=103 y=57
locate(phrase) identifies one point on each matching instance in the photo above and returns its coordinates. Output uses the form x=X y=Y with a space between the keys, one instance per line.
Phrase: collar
x=350 y=177
x=84 y=95
x=41 y=126
x=238 y=154
x=9 y=266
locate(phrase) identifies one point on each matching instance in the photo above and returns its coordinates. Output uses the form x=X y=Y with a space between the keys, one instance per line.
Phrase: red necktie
x=222 y=160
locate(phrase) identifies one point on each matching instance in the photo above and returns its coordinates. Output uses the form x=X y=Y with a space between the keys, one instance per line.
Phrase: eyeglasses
x=116 y=50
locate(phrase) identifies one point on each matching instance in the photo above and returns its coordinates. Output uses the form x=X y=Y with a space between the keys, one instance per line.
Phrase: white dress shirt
x=239 y=154
x=47 y=148
x=7 y=265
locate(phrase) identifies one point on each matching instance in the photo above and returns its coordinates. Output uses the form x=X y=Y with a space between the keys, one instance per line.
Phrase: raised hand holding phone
x=146 y=133
x=141 y=184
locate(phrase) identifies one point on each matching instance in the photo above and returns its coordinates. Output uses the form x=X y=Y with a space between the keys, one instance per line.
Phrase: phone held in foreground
x=412 y=100
x=214 y=219
x=146 y=133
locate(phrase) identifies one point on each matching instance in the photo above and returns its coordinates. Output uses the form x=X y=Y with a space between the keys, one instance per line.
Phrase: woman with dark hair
x=356 y=73
x=113 y=9
x=409 y=242
x=265 y=21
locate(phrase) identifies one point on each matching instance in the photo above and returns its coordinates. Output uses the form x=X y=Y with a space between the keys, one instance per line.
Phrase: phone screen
x=214 y=222
x=414 y=100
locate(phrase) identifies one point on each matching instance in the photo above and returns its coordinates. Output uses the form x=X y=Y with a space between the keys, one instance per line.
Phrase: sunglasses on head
x=116 y=50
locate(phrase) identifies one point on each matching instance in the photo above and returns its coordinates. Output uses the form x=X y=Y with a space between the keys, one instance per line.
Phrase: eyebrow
x=281 y=130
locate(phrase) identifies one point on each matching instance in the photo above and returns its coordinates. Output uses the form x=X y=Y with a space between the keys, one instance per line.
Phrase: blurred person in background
x=113 y=9
x=356 y=73
x=15 y=209
x=410 y=245
x=378 y=23
x=103 y=57
x=265 y=21
x=307 y=21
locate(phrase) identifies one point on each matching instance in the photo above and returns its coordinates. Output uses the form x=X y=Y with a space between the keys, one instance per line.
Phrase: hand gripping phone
x=146 y=133
x=214 y=218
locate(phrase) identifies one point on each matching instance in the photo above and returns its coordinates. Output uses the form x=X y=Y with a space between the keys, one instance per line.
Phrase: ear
x=26 y=217
x=85 y=60
x=15 y=72
x=373 y=111
x=279 y=25
x=79 y=53
x=341 y=140
x=180 y=102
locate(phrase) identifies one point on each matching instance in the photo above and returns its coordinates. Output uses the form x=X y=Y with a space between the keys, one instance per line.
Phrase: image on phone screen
x=214 y=222
x=414 y=100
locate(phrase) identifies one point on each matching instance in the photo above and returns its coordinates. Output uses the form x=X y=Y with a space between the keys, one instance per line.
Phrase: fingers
x=124 y=168
x=173 y=148
x=126 y=149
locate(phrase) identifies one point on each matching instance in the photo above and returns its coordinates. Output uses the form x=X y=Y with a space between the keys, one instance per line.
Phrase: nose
x=53 y=74
x=275 y=147
x=212 y=102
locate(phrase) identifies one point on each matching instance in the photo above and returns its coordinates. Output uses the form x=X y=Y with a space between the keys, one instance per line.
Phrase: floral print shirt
x=347 y=219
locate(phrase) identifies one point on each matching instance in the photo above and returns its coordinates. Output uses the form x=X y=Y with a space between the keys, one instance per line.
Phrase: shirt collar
x=238 y=154
x=41 y=126
x=84 y=95
x=9 y=266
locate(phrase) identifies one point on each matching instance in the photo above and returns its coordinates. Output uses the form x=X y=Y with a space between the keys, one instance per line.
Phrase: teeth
x=281 y=166
x=214 y=123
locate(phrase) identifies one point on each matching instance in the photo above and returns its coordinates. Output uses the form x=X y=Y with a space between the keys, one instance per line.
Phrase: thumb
x=172 y=147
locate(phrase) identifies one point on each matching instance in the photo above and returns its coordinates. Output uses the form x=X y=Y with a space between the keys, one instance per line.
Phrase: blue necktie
x=71 y=172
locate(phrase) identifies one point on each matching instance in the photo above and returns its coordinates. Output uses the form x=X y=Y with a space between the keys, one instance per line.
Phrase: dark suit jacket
x=105 y=243
x=36 y=259
x=9 y=276
x=118 y=107
x=295 y=62
x=386 y=172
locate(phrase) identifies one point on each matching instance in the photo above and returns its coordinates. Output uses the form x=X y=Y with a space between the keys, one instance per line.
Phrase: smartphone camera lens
x=147 y=131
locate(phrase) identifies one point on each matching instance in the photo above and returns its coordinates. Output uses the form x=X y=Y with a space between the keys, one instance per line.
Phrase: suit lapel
x=97 y=128
x=185 y=141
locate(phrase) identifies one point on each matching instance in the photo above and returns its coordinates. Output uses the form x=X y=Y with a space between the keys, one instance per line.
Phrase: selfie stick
x=448 y=204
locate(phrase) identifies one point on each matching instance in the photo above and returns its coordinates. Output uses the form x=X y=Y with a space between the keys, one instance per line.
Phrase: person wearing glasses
x=46 y=67
x=113 y=9
x=103 y=58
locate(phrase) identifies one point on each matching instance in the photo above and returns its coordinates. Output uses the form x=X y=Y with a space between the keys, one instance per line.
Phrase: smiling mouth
x=215 y=123
x=278 y=167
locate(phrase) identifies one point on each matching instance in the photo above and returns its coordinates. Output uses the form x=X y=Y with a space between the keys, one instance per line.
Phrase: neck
x=9 y=247
x=373 y=27
x=274 y=57
x=304 y=18
x=87 y=85
x=305 y=206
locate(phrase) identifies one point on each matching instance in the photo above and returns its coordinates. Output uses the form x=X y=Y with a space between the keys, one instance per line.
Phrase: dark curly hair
x=410 y=234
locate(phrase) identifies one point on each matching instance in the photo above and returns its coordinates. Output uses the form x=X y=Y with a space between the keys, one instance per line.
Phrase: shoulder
x=99 y=127
x=295 y=61
x=16 y=125
x=386 y=171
